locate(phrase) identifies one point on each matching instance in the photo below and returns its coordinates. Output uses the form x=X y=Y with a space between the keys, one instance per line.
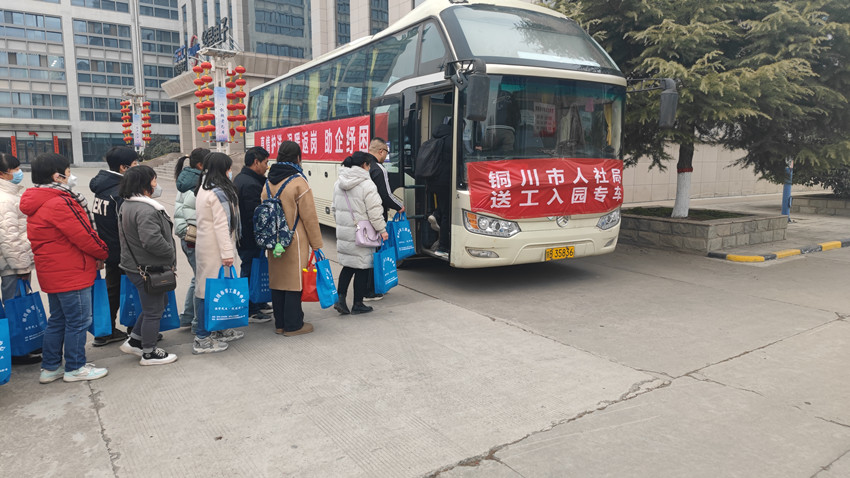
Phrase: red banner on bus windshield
x=527 y=188
x=326 y=141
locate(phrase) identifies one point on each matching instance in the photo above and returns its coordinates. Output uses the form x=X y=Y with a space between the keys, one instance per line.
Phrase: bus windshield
x=524 y=37
x=545 y=118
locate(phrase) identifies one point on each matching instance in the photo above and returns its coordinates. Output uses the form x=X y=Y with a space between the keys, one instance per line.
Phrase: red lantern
x=231 y=96
x=232 y=118
x=232 y=132
x=241 y=117
x=230 y=72
x=146 y=118
x=145 y=111
x=230 y=84
x=231 y=107
x=125 y=110
x=146 y=131
x=208 y=91
x=125 y=118
x=146 y=103
x=240 y=69
x=241 y=94
x=125 y=103
x=127 y=131
x=241 y=129
x=199 y=93
x=198 y=68
x=206 y=79
x=200 y=105
x=206 y=65
x=199 y=117
x=147 y=138
x=198 y=81
x=146 y=125
x=126 y=124
x=201 y=129
x=241 y=81
x=240 y=106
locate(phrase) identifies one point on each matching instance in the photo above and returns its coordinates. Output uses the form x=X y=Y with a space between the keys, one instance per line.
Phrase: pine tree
x=753 y=75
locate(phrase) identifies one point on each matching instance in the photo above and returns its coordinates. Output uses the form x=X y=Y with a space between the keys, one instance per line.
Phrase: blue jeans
x=70 y=317
x=187 y=318
x=198 y=325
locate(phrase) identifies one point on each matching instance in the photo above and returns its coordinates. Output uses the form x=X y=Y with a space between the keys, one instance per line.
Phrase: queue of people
x=51 y=229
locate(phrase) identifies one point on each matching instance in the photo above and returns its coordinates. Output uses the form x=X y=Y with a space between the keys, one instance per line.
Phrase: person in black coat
x=440 y=185
x=105 y=187
x=378 y=152
x=249 y=186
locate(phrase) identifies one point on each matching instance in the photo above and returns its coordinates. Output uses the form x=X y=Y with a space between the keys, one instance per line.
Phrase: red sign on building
x=528 y=188
x=325 y=141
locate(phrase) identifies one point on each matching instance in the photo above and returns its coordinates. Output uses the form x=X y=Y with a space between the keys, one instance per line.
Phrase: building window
x=96 y=144
x=280 y=23
x=107 y=35
x=158 y=8
x=379 y=16
x=111 y=5
x=343 y=22
x=280 y=50
x=41 y=28
x=160 y=41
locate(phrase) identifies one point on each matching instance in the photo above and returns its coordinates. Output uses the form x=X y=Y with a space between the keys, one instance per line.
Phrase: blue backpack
x=270 y=228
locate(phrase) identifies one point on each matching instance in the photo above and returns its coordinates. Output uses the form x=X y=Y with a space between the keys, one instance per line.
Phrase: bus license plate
x=556 y=253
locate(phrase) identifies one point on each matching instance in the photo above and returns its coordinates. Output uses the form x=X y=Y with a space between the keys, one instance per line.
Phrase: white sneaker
x=157 y=357
x=48 y=376
x=86 y=372
x=207 y=345
x=130 y=349
x=227 y=335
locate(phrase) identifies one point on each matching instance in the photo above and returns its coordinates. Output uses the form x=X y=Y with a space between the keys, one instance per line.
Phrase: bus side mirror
x=669 y=104
x=477 y=96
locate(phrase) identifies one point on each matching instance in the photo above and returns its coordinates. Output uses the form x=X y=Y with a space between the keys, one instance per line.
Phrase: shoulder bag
x=158 y=279
x=366 y=235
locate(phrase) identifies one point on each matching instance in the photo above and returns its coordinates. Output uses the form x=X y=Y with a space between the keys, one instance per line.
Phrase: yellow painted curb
x=825 y=246
x=788 y=253
x=737 y=258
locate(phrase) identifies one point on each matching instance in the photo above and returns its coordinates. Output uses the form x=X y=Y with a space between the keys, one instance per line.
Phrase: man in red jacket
x=68 y=253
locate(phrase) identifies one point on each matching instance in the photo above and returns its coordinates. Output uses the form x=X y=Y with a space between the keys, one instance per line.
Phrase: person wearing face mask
x=16 y=260
x=219 y=227
x=185 y=224
x=68 y=253
x=147 y=244
x=105 y=208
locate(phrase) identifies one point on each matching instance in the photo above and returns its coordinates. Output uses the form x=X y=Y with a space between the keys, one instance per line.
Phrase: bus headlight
x=609 y=220
x=489 y=226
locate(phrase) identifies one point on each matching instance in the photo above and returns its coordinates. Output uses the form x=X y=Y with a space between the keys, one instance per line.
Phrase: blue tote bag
x=101 y=323
x=386 y=274
x=401 y=236
x=5 y=350
x=131 y=307
x=226 y=301
x=259 y=280
x=27 y=320
x=328 y=295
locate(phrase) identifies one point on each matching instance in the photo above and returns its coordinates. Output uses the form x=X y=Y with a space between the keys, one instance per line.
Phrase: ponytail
x=179 y=166
x=359 y=158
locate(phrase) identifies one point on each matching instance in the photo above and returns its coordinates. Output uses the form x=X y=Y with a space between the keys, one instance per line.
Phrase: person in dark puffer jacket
x=68 y=253
x=105 y=208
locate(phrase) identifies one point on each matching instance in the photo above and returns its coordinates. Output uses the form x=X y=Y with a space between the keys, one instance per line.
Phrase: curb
x=823 y=246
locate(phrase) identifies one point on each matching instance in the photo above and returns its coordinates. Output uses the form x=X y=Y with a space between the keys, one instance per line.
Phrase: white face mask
x=230 y=175
x=157 y=192
x=72 y=180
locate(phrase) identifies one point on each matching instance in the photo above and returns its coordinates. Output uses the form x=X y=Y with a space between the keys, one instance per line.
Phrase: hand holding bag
x=401 y=236
x=27 y=320
x=385 y=272
x=325 y=287
x=226 y=301
x=191 y=234
x=259 y=280
x=366 y=235
x=308 y=283
x=101 y=323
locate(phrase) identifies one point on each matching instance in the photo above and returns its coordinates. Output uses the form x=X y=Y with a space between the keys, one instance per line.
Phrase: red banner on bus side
x=325 y=141
x=528 y=188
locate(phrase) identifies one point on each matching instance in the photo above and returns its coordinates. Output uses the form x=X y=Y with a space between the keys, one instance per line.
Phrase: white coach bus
x=536 y=109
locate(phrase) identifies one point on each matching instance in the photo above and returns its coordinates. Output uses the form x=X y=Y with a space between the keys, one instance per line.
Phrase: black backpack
x=428 y=158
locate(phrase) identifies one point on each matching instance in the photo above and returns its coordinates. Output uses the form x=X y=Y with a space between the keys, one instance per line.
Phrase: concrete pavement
x=472 y=384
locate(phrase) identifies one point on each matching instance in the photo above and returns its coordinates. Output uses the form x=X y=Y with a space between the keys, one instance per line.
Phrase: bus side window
x=432 y=51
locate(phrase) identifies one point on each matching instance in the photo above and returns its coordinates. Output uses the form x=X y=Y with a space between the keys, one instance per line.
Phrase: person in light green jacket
x=184 y=217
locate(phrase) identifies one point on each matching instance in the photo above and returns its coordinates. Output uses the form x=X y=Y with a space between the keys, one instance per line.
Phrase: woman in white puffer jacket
x=16 y=260
x=15 y=251
x=355 y=199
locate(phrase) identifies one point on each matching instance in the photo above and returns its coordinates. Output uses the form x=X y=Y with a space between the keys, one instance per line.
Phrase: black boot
x=341 y=307
x=360 y=308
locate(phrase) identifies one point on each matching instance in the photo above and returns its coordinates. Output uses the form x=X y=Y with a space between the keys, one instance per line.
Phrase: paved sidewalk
x=806 y=233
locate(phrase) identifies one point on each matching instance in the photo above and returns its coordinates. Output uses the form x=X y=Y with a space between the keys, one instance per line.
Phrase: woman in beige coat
x=285 y=271
x=218 y=224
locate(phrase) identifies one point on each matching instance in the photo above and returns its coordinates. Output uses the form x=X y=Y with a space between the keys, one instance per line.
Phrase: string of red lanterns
x=127 y=107
x=205 y=117
x=236 y=101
